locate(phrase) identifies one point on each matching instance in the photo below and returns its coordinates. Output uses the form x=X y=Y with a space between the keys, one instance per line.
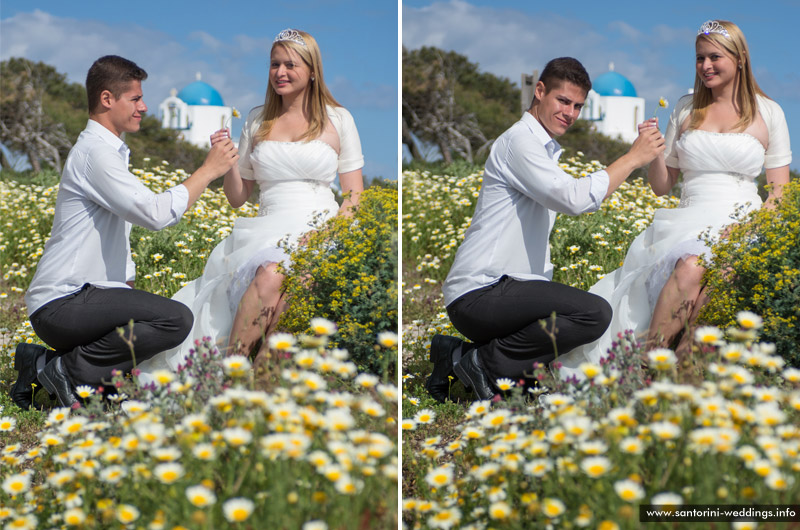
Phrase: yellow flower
x=499 y=510
x=281 y=341
x=238 y=509
x=552 y=507
x=16 y=484
x=387 y=339
x=169 y=472
x=440 y=476
x=749 y=320
x=127 y=513
x=323 y=326
x=74 y=517
x=200 y=496
x=590 y=370
x=596 y=466
x=163 y=377
x=628 y=490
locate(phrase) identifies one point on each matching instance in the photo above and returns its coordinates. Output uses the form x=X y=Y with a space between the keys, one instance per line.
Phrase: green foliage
x=346 y=272
x=447 y=101
x=63 y=106
x=757 y=268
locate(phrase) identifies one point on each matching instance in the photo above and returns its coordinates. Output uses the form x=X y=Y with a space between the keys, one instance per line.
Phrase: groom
x=498 y=292
x=82 y=292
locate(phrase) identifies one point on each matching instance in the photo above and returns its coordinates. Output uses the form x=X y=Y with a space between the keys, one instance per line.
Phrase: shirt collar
x=552 y=146
x=107 y=136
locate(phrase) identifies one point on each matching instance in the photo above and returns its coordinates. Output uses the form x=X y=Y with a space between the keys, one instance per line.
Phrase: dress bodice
x=293 y=174
x=281 y=161
x=719 y=166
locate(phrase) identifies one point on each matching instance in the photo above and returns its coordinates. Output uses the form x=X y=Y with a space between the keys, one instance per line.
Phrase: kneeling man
x=82 y=291
x=499 y=290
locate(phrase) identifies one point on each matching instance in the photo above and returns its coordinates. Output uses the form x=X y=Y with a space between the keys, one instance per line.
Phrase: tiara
x=292 y=35
x=712 y=26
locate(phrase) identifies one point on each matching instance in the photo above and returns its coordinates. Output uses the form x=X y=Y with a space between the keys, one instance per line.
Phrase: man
x=499 y=290
x=82 y=292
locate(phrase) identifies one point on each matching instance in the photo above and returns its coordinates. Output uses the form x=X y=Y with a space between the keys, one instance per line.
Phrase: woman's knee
x=689 y=273
x=268 y=280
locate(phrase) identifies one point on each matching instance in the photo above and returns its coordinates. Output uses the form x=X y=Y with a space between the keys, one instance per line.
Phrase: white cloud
x=209 y=41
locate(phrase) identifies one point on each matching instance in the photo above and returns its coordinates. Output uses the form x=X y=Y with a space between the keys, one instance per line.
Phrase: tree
x=25 y=123
x=448 y=102
x=42 y=116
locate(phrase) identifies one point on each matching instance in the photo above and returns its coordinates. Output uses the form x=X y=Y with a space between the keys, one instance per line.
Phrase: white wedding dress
x=719 y=172
x=295 y=189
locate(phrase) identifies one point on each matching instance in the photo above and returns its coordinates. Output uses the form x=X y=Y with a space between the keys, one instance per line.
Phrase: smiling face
x=716 y=68
x=125 y=113
x=558 y=108
x=289 y=75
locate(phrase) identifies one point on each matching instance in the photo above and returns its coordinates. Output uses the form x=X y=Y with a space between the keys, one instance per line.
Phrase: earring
x=312 y=77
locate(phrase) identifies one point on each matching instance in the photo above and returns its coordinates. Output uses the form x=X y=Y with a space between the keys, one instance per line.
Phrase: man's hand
x=648 y=145
x=221 y=158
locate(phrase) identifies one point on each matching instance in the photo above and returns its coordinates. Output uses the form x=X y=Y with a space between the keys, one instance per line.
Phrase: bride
x=292 y=146
x=719 y=138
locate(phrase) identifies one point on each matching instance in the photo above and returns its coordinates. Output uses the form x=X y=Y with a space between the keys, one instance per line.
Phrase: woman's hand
x=220 y=135
x=649 y=124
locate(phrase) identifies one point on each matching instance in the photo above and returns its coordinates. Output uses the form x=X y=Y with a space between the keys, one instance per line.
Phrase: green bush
x=757 y=268
x=346 y=272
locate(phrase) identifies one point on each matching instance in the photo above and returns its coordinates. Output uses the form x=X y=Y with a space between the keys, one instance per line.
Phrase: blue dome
x=200 y=93
x=613 y=84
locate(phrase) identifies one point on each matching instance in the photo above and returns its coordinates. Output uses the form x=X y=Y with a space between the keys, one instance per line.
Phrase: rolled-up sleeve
x=114 y=188
x=535 y=174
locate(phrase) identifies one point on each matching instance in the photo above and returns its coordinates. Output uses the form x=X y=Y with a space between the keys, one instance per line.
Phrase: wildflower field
x=311 y=443
x=720 y=427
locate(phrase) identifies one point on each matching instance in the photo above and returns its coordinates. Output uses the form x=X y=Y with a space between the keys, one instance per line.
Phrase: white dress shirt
x=523 y=189
x=98 y=200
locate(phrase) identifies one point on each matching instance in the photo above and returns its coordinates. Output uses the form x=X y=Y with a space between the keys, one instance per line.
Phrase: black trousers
x=504 y=320
x=82 y=328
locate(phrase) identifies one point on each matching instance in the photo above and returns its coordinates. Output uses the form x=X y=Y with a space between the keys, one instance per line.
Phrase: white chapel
x=613 y=106
x=197 y=111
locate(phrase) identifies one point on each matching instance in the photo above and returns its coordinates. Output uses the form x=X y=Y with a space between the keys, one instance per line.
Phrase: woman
x=719 y=138
x=293 y=147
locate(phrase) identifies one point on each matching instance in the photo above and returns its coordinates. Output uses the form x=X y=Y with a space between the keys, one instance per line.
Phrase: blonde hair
x=318 y=98
x=746 y=88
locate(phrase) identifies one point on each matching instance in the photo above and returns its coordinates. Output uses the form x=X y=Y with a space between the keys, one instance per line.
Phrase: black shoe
x=442 y=349
x=470 y=371
x=56 y=381
x=25 y=360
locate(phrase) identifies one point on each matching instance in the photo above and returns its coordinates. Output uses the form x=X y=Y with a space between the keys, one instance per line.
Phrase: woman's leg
x=685 y=345
x=258 y=310
x=678 y=302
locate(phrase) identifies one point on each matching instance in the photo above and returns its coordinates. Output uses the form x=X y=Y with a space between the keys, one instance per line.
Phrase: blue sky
x=652 y=44
x=229 y=44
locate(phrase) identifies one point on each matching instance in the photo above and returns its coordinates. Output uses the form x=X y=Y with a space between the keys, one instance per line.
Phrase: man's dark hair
x=565 y=69
x=112 y=73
